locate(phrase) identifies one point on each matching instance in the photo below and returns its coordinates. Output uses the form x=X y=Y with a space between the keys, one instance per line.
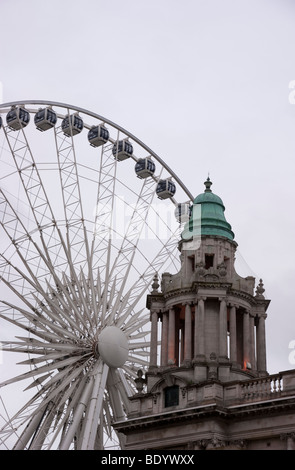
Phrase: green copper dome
x=207 y=216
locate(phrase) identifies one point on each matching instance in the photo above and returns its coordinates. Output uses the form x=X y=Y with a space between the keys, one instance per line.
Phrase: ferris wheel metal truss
x=72 y=281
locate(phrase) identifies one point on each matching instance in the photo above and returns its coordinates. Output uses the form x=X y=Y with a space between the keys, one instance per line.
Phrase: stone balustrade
x=265 y=387
x=214 y=392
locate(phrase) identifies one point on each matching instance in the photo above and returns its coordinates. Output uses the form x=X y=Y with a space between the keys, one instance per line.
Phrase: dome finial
x=208 y=184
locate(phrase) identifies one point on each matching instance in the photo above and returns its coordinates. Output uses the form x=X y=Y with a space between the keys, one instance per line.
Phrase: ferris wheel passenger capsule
x=122 y=150
x=72 y=125
x=182 y=212
x=98 y=135
x=45 y=119
x=165 y=189
x=17 y=118
x=145 y=167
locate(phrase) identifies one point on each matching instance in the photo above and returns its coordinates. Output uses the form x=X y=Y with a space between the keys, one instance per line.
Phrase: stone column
x=222 y=329
x=196 y=329
x=233 y=334
x=252 y=343
x=261 y=348
x=182 y=341
x=200 y=366
x=188 y=334
x=154 y=339
x=200 y=330
x=171 y=337
x=290 y=440
x=164 y=339
x=246 y=338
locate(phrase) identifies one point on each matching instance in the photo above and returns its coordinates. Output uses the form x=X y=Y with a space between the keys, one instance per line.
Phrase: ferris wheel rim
x=107 y=121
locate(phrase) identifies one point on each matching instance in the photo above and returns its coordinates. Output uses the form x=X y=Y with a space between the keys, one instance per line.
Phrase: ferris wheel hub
x=113 y=346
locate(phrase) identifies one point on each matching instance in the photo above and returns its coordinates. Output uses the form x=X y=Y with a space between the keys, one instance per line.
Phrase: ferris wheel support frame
x=62 y=290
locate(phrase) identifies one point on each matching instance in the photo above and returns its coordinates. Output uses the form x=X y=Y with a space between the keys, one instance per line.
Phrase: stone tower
x=208 y=349
x=212 y=322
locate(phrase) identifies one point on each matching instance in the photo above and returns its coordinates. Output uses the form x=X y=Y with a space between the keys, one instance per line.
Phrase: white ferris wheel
x=86 y=223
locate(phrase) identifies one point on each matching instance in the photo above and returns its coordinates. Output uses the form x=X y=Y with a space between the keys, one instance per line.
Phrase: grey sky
x=205 y=84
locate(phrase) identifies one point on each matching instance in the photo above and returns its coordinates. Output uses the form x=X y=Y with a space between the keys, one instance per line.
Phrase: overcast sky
x=207 y=84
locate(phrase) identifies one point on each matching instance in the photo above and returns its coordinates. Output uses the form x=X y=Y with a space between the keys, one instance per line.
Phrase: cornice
x=242 y=295
x=233 y=295
x=262 y=408
x=169 y=417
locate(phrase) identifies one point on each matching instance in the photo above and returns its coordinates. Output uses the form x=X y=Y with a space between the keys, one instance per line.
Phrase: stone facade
x=207 y=318
x=207 y=385
x=252 y=414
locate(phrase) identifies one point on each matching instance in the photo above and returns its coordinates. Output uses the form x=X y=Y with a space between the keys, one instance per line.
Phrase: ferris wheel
x=87 y=220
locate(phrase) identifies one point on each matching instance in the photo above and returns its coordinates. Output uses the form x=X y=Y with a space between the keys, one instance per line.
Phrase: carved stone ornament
x=200 y=269
x=155 y=398
x=155 y=284
x=140 y=381
x=222 y=269
x=183 y=392
x=260 y=290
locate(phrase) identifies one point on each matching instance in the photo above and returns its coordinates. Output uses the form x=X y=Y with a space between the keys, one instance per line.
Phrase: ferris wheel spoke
x=35 y=193
x=42 y=430
x=21 y=285
x=16 y=423
x=115 y=397
x=137 y=221
x=131 y=371
x=36 y=432
x=93 y=395
x=135 y=320
x=69 y=302
x=79 y=297
x=26 y=248
x=44 y=325
x=12 y=224
x=143 y=283
x=103 y=226
x=104 y=209
x=71 y=193
x=29 y=175
x=93 y=412
x=44 y=369
x=127 y=308
x=58 y=387
x=30 y=430
x=59 y=392
x=137 y=346
x=64 y=319
x=124 y=260
x=47 y=336
x=166 y=255
x=75 y=399
x=124 y=387
x=77 y=406
x=57 y=312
